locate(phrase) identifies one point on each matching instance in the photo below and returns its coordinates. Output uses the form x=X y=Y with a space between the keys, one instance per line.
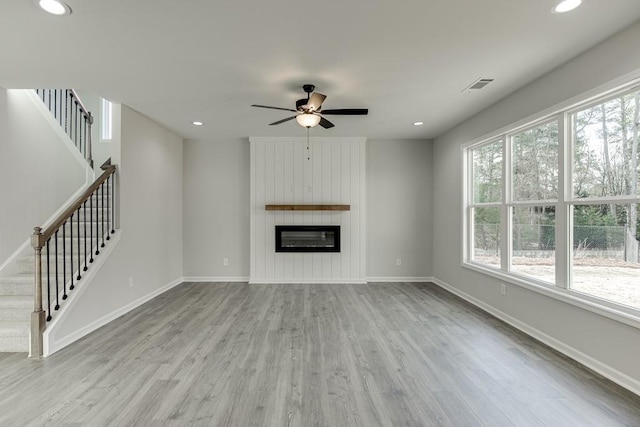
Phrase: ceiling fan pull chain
x=308 y=153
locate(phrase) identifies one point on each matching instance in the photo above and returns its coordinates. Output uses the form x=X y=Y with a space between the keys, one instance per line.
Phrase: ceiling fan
x=310 y=110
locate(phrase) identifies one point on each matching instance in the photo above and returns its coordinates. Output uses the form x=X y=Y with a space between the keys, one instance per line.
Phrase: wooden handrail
x=64 y=216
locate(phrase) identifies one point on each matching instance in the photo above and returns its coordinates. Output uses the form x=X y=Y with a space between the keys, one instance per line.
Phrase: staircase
x=17 y=290
x=69 y=245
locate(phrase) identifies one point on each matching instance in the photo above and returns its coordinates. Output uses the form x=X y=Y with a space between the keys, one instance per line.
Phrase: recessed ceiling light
x=197 y=123
x=566 y=6
x=418 y=123
x=54 y=7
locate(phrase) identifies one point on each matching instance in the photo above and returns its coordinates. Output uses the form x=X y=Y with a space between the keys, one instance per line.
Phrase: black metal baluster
x=56 y=261
x=79 y=251
x=108 y=225
x=113 y=202
x=96 y=194
x=64 y=261
x=49 y=98
x=82 y=140
x=66 y=111
x=102 y=210
x=91 y=229
x=55 y=103
x=84 y=237
x=71 y=258
x=48 y=284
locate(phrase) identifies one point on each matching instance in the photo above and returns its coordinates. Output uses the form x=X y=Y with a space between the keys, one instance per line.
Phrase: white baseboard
x=399 y=279
x=605 y=370
x=307 y=281
x=192 y=279
x=59 y=344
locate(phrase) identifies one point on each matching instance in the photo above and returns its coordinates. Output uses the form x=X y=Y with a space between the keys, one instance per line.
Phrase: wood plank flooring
x=232 y=354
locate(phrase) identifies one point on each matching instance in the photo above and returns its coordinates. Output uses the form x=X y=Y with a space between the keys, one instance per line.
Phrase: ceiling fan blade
x=347 y=112
x=273 y=108
x=315 y=101
x=282 y=121
x=326 y=123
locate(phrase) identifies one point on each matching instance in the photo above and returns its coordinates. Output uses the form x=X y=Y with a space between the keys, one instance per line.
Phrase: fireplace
x=307 y=238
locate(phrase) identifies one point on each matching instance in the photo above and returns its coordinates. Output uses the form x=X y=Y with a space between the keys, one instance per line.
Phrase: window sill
x=625 y=315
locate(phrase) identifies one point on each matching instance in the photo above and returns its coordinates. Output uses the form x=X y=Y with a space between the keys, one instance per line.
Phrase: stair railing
x=72 y=115
x=86 y=226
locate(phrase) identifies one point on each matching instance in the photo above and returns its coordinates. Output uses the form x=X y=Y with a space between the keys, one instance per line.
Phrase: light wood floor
x=308 y=355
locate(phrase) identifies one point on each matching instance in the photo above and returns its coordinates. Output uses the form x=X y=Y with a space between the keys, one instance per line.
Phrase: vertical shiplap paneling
x=362 y=223
x=269 y=178
x=288 y=217
x=334 y=174
x=278 y=197
x=260 y=214
x=336 y=179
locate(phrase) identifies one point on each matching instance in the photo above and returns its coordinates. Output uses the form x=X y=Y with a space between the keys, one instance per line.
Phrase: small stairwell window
x=106 y=120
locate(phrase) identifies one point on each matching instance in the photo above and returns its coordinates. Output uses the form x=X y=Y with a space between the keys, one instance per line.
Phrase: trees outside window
x=525 y=197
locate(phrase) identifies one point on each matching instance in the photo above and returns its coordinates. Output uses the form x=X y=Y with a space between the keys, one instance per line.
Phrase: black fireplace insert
x=307 y=238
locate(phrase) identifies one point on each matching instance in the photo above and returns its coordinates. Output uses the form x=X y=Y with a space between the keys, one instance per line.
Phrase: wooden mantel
x=307 y=207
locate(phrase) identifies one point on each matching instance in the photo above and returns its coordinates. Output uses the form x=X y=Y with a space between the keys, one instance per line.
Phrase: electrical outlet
x=131 y=282
x=225 y=261
x=503 y=289
x=399 y=262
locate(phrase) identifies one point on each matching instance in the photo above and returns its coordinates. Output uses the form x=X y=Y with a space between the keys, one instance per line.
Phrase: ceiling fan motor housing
x=300 y=103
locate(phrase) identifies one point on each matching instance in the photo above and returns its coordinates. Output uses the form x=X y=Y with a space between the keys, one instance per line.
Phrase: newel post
x=89 y=142
x=38 y=322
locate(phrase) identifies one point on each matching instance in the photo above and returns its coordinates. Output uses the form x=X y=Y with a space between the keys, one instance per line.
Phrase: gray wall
x=38 y=173
x=606 y=345
x=399 y=199
x=216 y=208
x=149 y=252
x=216 y=191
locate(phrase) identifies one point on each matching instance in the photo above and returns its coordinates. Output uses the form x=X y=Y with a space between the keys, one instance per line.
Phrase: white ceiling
x=405 y=60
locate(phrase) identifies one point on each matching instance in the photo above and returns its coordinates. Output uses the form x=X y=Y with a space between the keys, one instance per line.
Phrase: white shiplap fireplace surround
x=331 y=172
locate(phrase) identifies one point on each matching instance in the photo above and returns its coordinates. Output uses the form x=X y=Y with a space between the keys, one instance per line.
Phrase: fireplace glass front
x=307 y=238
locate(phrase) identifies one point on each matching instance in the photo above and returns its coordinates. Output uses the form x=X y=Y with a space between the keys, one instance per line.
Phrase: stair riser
x=14 y=344
x=9 y=288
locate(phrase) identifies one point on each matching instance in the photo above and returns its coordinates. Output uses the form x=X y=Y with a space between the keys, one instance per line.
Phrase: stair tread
x=16 y=301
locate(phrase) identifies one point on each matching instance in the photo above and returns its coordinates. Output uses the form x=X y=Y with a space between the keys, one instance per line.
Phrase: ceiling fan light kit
x=308 y=120
x=310 y=110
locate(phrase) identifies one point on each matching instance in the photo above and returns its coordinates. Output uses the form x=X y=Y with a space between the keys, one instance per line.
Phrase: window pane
x=605 y=252
x=534 y=242
x=486 y=236
x=106 y=120
x=535 y=163
x=605 y=139
x=487 y=173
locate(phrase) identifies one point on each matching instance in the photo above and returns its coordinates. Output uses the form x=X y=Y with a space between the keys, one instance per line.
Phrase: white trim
x=194 y=279
x=308 y=281
x=399 y=279
x=606 y=371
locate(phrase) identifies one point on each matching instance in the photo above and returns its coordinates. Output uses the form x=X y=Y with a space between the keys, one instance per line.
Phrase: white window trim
x=564 y=205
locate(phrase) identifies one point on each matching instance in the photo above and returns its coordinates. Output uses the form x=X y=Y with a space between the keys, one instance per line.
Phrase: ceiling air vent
x=478 y=84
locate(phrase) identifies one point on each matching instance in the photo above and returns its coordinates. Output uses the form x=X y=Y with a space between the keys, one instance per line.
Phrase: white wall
x=38 y=173
x=332 y=171
x=604 y=344
x=216 y=191
x=149 y=253
x=399 y=205
x=216 y=209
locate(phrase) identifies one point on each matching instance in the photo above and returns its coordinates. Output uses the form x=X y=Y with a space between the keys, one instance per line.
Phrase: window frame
x=106 y=120
x=564 y=204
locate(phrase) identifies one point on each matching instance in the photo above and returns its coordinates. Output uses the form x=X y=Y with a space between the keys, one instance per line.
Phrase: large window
x=555 y=203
